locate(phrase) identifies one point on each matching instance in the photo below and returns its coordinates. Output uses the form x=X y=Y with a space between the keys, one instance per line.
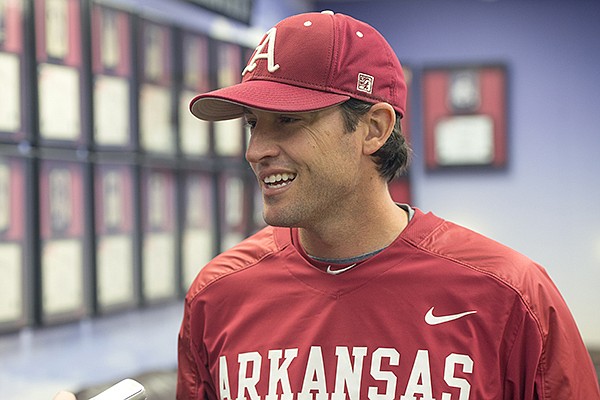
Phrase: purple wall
x=546 y=204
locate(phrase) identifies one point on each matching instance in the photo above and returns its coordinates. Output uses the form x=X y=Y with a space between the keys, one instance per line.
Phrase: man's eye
x=287 y=120
x=250 y=124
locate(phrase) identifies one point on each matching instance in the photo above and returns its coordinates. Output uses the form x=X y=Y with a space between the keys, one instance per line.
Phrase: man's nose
x=262 y=144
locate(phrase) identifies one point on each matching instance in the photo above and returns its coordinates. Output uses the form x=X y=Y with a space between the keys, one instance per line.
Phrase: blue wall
x=546 y=204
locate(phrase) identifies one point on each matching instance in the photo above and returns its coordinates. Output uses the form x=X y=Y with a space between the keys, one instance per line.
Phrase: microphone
x=127 y=389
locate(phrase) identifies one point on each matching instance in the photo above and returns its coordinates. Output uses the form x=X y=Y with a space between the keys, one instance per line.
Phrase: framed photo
x=112 y=111
x=111 y=41
x=63 y=266
x=112 y=68
x=116 y=283
x=234 y=215
x=400 y=188
x=14 y=302
x=58 y=31
x=10 y=95
x=157 y=130
x=194 y=133
x=59 y=102
x=228 y=135
x=465 y=116
x=11 y=26
x=198 y=241
x=12 y=121
x=159 y=250
x=155 y=49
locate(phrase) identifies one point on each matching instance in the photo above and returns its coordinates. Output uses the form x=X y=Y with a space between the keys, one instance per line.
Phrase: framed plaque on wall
x=465 y=116
x=194 y=134
x=116 y=275
x=11 y=71
x=228 y=135
x=58 y=39
x=199 y=233
x=235 y=208
x=112 y=76
x=63 y=267
x=157 y=130
x=400 y=188
x=159 y=250
x=15 y=286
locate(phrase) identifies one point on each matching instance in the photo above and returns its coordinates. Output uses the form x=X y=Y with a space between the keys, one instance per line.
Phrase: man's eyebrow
x=247 y=113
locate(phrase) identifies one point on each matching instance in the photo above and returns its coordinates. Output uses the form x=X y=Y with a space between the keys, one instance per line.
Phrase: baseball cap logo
x=268 y=42
x=365 y=83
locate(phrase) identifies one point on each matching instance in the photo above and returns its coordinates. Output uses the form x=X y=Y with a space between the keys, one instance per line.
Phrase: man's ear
x=380 y=119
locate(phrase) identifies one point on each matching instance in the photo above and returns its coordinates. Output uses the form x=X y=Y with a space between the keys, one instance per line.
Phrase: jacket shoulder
x=244 y=255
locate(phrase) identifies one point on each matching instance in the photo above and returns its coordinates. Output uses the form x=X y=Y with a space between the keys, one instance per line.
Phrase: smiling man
x=348 y=295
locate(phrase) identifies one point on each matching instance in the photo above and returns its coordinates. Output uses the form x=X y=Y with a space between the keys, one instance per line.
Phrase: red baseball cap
x=308 y=62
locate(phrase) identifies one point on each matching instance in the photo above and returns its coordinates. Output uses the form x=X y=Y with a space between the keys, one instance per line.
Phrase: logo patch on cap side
x=365 y=83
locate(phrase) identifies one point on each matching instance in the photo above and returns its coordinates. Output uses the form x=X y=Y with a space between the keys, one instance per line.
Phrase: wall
x=545 y=204
x=265 y=13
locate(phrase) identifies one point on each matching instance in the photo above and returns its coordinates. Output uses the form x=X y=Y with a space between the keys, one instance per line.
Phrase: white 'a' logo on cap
x=268 y=41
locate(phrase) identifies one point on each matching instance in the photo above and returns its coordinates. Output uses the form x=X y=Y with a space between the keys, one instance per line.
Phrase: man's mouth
x=276 y=181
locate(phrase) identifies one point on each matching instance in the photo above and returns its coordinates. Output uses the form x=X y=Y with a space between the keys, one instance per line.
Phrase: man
x=348 y=295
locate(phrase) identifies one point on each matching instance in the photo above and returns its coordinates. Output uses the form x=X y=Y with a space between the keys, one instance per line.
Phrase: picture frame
x=63 y=265
x=112 y=69
x=117 y=280
x=194 y=134
x=15 y=268
x=159 y=270
x=14 y=96
x=228 y=135
x=157 y=133
x=465 y=116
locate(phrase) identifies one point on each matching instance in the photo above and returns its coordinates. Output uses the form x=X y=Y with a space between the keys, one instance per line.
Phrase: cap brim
x=229 y=102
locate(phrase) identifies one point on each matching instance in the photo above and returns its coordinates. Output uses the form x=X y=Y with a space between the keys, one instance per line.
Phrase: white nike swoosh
x=436 y=320
x=339 y=271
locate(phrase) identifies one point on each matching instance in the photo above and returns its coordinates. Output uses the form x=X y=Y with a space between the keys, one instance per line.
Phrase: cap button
x=329 y=12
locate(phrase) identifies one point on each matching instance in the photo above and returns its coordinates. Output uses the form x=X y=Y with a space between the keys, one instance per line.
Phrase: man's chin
x=278 y=220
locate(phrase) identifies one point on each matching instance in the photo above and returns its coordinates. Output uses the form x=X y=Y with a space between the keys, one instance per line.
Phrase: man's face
x=307 y=165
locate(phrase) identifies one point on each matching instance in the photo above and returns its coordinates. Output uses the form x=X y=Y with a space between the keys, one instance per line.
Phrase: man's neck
x=362 y=234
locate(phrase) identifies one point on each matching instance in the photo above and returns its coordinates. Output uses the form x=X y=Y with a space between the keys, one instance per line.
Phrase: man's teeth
x=278 y=180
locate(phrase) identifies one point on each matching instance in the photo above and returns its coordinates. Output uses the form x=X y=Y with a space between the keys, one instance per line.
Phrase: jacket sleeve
x=193 y=377
x=548 y=340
